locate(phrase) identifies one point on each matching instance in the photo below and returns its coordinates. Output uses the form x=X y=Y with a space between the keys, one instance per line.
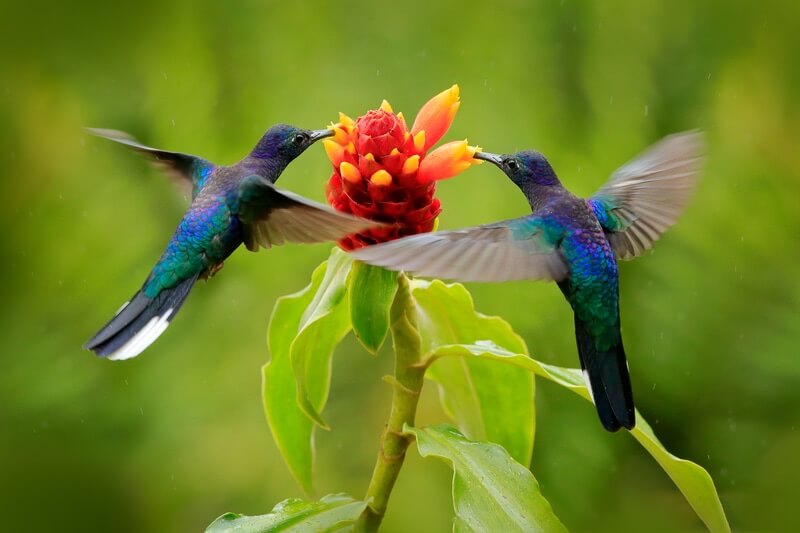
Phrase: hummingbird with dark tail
x=231 y=205
x=573 y=241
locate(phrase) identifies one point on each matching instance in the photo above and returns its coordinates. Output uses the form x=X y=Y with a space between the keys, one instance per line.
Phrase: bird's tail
x=606 y=375
x=139 y=322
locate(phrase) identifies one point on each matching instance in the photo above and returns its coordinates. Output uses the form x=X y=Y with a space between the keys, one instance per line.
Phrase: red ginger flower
x=382 y=171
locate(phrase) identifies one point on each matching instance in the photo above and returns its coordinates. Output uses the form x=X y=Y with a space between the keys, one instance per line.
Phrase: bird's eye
x=300 y=138
x=511 y=164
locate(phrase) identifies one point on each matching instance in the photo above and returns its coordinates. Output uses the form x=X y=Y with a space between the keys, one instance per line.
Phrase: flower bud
x=379 y=132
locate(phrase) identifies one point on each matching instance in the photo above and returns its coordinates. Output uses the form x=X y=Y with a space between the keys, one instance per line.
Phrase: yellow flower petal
x=349 y=172
x=340 y=135
x=381 y=177
x=386 y=106
x=334 y=150
x=344 y=120
x=471 y=151
x=419 y=141
x=410 y=166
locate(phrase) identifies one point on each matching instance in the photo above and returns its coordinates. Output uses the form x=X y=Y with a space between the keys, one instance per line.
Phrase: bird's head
x=284 y=142
x=527 y=168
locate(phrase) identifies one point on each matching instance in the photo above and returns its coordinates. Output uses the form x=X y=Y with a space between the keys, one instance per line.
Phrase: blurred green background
x=170 y=440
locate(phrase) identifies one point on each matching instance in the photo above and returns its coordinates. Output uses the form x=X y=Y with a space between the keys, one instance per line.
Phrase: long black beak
x=320 y=134
x=492 y=158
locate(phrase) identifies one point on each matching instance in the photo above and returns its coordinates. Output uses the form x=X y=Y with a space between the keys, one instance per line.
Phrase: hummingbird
x=231 y=205
x=573 y=241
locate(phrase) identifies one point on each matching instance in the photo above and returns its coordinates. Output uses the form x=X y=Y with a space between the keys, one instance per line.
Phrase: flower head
x=383 y=171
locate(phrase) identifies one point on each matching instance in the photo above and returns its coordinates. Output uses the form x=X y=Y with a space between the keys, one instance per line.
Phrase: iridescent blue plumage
x=201 y=173
x=205 y=236
x=571 y=241
x=231 y=205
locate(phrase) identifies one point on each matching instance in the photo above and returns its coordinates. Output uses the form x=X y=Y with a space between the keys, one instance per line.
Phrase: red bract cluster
x=383 y=171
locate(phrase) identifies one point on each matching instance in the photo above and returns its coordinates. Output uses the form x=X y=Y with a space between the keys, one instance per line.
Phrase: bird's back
x=592 y=286
x=205 y=236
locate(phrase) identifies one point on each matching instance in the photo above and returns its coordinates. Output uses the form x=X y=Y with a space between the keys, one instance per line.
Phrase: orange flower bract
x=382 y=171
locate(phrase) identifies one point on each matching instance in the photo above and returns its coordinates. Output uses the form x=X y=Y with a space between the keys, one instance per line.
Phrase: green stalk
x=407 y=384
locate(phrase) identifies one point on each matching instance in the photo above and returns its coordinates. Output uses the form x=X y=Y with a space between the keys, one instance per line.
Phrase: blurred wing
x=273 y=216
x=189 y=170
x=511 y=250
x=644 y=198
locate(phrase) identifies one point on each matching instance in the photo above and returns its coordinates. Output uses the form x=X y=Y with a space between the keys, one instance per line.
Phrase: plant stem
x=407 y=384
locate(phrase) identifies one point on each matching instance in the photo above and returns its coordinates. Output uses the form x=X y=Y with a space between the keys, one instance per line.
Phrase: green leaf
x=322 y=326
x=291 y=428
x=488 y=401
x=372 y=290
x=491 y=491
x=335 y=512
x=303 y=330
x=691 y=479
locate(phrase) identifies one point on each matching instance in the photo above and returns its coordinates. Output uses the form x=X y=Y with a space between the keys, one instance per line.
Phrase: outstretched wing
x=188 y=170
x=644 y=198
x=515 y=249
x=274 y=216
